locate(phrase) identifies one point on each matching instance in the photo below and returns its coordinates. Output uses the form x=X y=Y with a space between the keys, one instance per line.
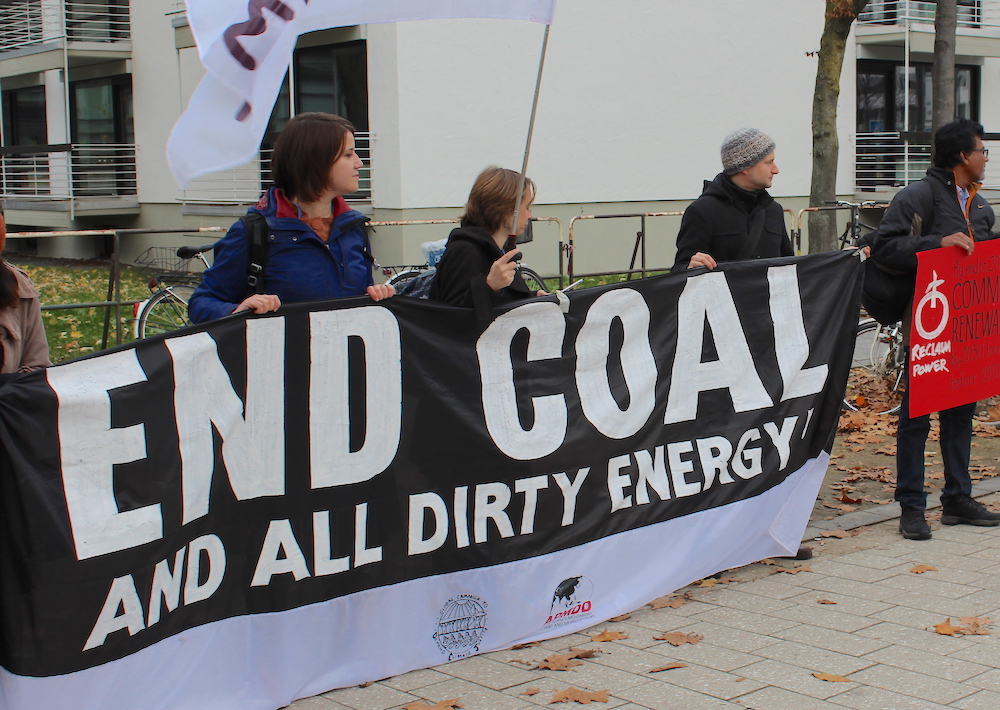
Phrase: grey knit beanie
x=744 y=148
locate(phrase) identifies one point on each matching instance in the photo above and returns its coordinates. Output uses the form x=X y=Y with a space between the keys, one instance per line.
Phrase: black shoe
x=913 y=525
x=968 y=510
x=804 y=553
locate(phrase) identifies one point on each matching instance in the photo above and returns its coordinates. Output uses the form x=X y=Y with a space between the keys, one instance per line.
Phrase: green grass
x=76 y=332
x=79 y=331
x=602 y=280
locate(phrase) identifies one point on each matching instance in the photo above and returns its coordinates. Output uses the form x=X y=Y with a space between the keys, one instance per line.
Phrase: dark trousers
x=956 y=443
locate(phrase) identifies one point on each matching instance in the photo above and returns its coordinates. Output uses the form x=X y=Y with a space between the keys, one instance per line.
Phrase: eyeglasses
x=984 y=151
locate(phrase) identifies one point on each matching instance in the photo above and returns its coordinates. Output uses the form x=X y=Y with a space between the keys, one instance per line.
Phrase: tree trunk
x=943 y=74
x=840 y=15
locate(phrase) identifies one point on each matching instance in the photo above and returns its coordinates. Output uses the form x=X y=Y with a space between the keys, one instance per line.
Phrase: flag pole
x=527 y=145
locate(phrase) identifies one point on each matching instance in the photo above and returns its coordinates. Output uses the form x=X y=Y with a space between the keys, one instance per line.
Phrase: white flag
x=246 y=46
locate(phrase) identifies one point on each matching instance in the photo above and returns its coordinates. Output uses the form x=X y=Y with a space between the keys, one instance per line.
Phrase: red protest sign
x=954 y=355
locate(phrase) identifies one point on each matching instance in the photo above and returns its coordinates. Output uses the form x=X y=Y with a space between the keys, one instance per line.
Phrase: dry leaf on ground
x=530 y=691
x=945 y=628
x=676 y=638
x=572 y=695
x=794 y=570
x=839 y=533
x=620 y=617
x=830 y=678
x=975 y=626
x=825 y=601
x=564 y=661
x=606 y=636
x=670 y=601
x=668 y=667
x=520 y=646
x=440 y=705
x=920 y=569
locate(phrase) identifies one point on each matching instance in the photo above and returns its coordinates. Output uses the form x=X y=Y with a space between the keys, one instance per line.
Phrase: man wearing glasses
x=943 y=209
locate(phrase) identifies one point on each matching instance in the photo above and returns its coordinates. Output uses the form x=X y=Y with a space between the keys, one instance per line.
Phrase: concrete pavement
x=764 y=635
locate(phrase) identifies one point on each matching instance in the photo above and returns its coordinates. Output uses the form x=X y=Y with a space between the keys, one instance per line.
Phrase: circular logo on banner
x=461 y=626
x=938 y=322
x=571 y=601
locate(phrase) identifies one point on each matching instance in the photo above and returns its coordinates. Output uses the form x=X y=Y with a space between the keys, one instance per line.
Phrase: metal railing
x=890 y=160
x=68 y=171
x=243 y=185
x=27 y=22
x=971 y=14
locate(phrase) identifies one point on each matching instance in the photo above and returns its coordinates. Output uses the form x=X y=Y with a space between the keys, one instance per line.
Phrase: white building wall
x=635 y=99
x=157 y=93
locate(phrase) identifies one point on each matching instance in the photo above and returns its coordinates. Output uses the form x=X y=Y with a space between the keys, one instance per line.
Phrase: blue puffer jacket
x=300 y=266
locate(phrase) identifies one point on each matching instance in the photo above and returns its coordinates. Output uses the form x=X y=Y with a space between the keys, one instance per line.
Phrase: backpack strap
x=255 y=225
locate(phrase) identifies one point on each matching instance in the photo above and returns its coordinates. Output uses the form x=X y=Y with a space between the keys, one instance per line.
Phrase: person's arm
x=34 y=346
x=223 y=288
x=694 y=241
x=458 y=273
x=899 y=236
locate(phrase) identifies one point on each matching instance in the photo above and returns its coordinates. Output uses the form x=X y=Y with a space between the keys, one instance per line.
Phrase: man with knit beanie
x=735 y=218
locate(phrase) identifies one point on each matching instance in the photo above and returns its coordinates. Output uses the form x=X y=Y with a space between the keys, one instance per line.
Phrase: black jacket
x=935 y=201
x=718 y=223
x=461 y=273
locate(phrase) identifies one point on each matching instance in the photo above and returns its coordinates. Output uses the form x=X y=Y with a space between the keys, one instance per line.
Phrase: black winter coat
x=934 y=198
x=718 y=223
x=461 y=273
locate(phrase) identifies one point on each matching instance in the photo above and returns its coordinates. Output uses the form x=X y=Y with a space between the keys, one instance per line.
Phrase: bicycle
x=878 y=366
x=167 y=308
x=853 y=228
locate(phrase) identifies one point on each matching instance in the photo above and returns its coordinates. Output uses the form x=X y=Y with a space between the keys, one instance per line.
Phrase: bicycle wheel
x=404 y=276
x=167 y=310
x=534 y=282
x=876 y=381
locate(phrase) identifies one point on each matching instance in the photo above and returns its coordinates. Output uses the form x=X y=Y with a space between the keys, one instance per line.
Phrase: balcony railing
x=27 y=22
x=971 y=14
x=68 y=172
x=244 y=185
x=890 y=160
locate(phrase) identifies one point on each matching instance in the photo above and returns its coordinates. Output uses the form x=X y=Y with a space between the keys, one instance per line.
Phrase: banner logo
x=461 y=626
x=930 y=296
x=572 y=600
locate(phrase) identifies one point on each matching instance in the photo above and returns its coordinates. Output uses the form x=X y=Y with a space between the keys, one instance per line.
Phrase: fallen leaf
x=768 y=561
x=668 y=667
x=838 y=533
x=831 y=678
x=794 y=570
x=606 y=636
x=920 y=569
x=825 y=601
x=572 y=695
x=365 y=685
x=520 y=646
x=708 y=582
x=620 y=617
x=844 y=498
x=676 y=638
x=531 y=691
x=945 y=628
x=670 y=601
x=440 y=705
x=974 y=626
x=564 y=661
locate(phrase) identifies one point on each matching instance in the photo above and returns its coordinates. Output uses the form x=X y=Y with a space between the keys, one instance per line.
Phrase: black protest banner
x=373 y=474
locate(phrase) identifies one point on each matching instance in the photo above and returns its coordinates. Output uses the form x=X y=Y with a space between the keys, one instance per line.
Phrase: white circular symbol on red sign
x=927 y=301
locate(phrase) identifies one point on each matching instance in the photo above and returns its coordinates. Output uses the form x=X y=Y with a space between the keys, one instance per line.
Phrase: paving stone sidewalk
x=764 y=636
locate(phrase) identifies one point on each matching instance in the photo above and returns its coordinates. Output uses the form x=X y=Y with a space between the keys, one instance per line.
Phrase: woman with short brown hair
x=317 y=245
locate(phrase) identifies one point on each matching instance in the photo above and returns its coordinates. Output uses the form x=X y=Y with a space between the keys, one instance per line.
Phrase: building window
x=880 y=86
x=101 y=110
x=24 y=117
